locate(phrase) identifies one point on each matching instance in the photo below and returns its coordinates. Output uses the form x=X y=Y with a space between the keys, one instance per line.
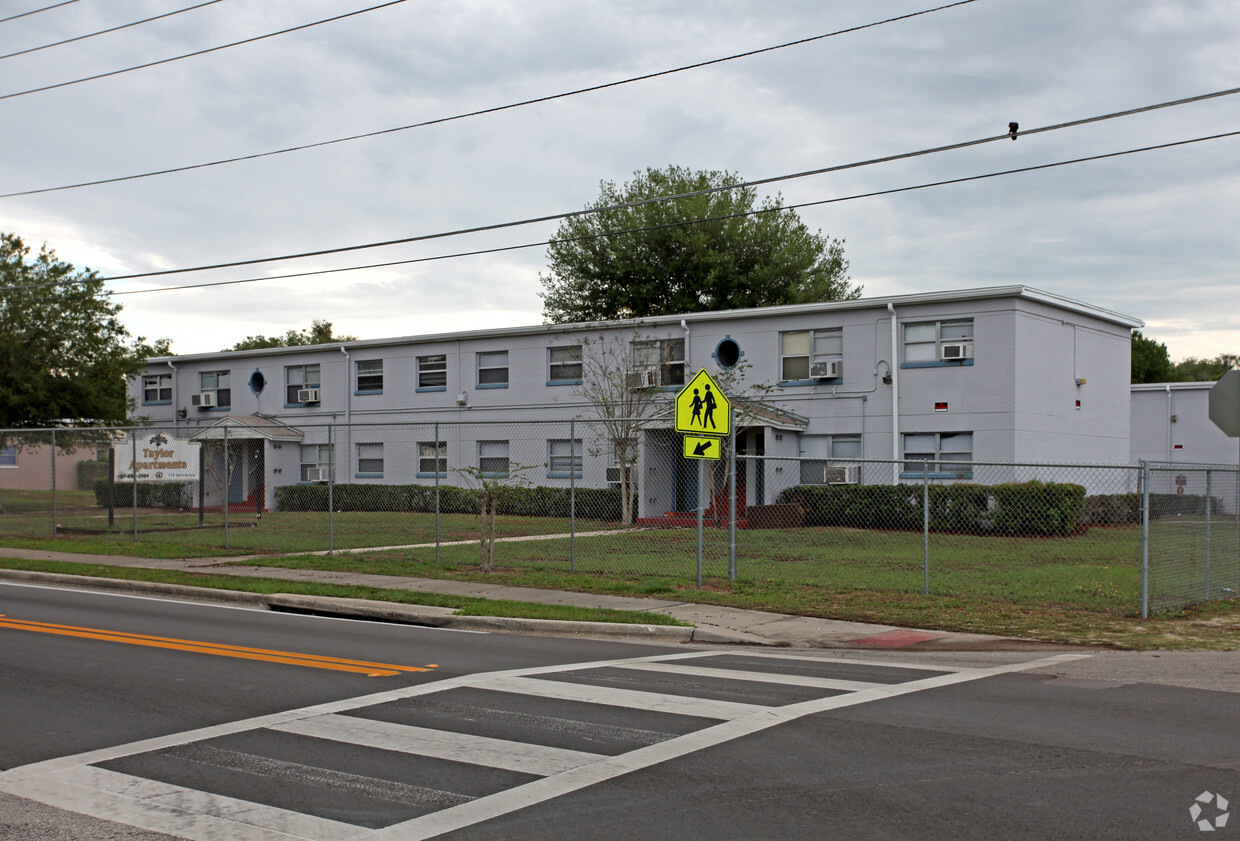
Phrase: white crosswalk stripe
x=541 y=704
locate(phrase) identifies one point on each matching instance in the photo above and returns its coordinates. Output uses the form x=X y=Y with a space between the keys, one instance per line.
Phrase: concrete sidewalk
x=711 y=624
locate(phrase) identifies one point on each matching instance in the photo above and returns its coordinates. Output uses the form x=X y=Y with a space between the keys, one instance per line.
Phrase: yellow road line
x=315 y=661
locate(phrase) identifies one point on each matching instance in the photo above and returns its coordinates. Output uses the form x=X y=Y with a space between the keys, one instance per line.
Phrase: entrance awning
x=253 y=427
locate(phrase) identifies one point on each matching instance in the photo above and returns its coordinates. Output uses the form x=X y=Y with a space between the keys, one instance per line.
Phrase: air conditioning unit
x=642 y=378
x=832 y=369
x=956 y=350
x=307 y=395
x=206 y=398
x=317 y=474
x=841 y=474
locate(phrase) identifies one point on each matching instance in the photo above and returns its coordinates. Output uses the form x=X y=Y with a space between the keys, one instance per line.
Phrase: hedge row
x=1125 y=509
x=593 y=503
x=150 y=494
x=1026 y=508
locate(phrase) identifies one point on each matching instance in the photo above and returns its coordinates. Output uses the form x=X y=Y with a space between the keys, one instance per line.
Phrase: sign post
x=704 y=415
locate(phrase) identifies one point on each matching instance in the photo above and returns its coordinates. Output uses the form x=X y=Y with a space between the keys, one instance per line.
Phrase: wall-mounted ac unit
x=206 y=398
x=307 y=395
x=841 y=474
x=956 y=350
x=642 y=378
x=831 y=369
x=317 y=474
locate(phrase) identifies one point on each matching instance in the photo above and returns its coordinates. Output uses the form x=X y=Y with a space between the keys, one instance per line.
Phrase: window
x=802 y=352
x=298 y=378
x=564 y=459
x=493 y=369
x=433 y=373
x=493 y=458
x=157 y=388
x=820 y=448
x=659 y=362
x=216 y=383
x=940 y=454
x=370 y=376
x=564 y=366
x=316 y=462
x=933 y=342
x=8 y=456
x=370 y=461
x=433 y=458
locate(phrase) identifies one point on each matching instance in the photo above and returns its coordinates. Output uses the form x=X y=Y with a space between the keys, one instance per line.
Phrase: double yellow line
x=291 y=658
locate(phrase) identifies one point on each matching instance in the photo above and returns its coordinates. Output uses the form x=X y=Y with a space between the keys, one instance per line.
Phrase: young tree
x=320 y=333
x=490 y=490
x=64 y=354
x=713 y=251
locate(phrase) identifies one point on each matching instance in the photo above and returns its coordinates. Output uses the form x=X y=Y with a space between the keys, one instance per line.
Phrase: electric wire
x=199 y=52
x=484 y=111
x=626 y=232
x=106 y=31
x=673 y=197
x=36 y=11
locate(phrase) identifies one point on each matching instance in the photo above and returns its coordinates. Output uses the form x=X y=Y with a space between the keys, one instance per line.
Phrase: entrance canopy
x=251 y=427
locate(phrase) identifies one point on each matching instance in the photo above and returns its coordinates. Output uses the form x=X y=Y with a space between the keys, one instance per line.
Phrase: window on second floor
x=298 y=379
x=659 y=362
x=433 y=373
x=493 y=369
x=157 y=388
x=935 y=342
x=217 y=384
x=564 y=365
x=370 y=376
x=807 y=354
x=939 y=454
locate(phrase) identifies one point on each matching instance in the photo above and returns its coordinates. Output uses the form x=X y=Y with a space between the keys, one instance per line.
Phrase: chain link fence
x=558 y=496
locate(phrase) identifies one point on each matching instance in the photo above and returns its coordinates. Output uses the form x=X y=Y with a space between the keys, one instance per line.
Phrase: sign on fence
x=156 y=457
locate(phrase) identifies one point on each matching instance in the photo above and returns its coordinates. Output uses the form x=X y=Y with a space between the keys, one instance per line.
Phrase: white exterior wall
x=1191 y=438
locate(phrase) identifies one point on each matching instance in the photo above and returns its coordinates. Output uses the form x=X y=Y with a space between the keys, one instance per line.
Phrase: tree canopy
x=1151 y=363
x=718 y=250
x=320 y=333
x=64 y=353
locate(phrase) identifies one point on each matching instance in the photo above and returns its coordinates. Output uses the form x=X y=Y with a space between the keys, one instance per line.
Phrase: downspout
x=1170 y=436
x=175 y=409
x=348 y=411
x=685 y=326
x=895 y=399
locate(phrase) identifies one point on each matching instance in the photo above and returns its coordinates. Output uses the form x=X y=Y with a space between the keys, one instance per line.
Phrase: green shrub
x=88 y=472
x=593 y=503
x=150 y=494
x=1037 y=508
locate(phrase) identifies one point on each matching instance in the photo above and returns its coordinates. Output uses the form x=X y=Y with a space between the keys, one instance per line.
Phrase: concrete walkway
x=711 y=624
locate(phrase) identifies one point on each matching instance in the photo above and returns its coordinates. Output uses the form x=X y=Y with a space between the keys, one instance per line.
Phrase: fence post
x=227 y=486
x=1145 y=539
x=1208 y=506
x=111 y=487
x=133 y=478
x=54 y=517
x=445 y=467
x=733 y=515
x=331 y=487
x=925 y=531
x=572 y=494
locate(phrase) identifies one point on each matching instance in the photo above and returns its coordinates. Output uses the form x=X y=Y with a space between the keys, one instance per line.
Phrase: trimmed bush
x=1039 y=508
x=592 y=503
x=150 y=494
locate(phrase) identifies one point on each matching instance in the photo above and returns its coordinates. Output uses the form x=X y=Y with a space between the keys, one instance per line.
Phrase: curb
x=423 y=615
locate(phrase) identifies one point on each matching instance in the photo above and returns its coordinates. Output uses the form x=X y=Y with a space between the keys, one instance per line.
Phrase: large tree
x=1151 y=363
x=718 y=250
x=64 y=353
x=320 y=333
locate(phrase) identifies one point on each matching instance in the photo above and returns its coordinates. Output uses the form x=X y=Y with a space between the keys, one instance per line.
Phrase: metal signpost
x=704 y=415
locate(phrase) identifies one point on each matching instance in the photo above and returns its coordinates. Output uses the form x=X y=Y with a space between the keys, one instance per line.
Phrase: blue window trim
x=798 y=383
x=950 y=363
x=564 y=382
x=421 y=389
x=364 y=393
x=296 y=405
x=156 y=402
x=918 y=474
x=432 y=475
x=500 y=475
x=563 y=476
x=492 y=385
x=367 y=475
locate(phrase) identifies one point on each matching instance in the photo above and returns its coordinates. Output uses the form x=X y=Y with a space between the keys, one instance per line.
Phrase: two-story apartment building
x=931 y=382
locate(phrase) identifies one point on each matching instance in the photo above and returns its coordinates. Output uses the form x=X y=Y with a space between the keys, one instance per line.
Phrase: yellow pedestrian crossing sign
x=702 y=408
x=697 y=446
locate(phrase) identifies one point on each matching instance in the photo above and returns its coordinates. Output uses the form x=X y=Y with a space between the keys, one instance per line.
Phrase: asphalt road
x=212 y=722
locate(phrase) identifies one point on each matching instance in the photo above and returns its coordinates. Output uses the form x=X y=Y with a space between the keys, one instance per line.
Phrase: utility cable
x=482 y=111
x=106 y=31
x=199 y=52
x=36 y=11
x=609 y=234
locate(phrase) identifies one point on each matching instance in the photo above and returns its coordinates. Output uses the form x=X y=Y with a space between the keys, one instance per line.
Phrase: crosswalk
x=417 y=762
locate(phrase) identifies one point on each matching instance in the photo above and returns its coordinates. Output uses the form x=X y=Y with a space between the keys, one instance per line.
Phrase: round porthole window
x=257 y=382
x=728 y=353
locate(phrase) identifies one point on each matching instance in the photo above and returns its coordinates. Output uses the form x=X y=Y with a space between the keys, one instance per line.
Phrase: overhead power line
x=483 y=111
x=106 y=31
x=199 y=52
x=36 y=11
x=738 y=186
x=609 y=234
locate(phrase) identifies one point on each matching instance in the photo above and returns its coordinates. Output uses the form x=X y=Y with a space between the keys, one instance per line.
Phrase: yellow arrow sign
x=703 y=447
x=702 y=407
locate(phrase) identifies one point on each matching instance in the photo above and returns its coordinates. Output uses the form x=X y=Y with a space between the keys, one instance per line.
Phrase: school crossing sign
x=702 y=408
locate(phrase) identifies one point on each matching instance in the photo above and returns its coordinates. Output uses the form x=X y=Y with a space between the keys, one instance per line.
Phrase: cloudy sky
x=1153 y=235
